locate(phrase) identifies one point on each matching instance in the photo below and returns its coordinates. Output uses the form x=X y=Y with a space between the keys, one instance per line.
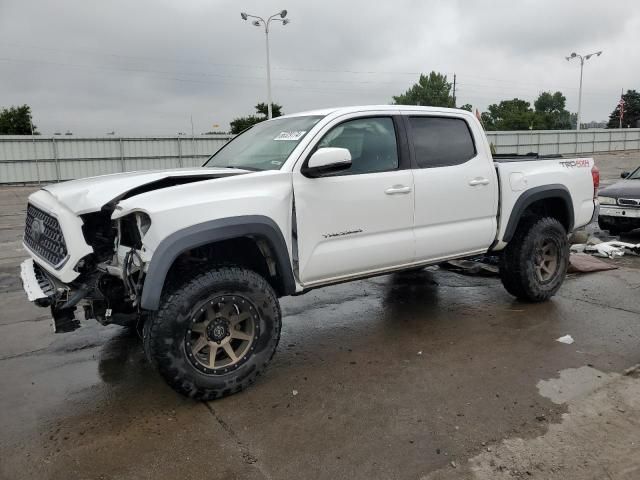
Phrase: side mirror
x=329 y=159
x=624 y=174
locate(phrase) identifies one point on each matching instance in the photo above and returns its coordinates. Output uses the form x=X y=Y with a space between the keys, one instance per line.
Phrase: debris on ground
x=611 y=249
x=633 y=371
x=568 y=339
x=294 y=392
x=488 y=265
x=584 y=263
x=481 y=265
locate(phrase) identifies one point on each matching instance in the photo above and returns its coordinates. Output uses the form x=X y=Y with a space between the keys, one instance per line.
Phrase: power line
x=153 y=74
x=234 y=65
x=260 y=67
x=205 y=74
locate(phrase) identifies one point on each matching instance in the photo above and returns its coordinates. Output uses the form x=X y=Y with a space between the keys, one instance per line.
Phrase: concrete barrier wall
x=566 y=142
x=26 y=159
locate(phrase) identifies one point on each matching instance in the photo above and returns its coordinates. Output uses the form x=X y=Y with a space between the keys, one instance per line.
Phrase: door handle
x=396 y=189
x=479 y=181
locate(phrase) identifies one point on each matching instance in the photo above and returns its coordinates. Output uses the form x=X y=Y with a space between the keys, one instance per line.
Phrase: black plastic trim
x=208 y=232
x=533 y=195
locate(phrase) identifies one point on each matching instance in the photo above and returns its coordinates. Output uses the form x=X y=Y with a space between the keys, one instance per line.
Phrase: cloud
x=147 y=67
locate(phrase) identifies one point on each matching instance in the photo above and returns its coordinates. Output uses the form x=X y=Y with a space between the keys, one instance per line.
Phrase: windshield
x=635 y=175
x=265 y=146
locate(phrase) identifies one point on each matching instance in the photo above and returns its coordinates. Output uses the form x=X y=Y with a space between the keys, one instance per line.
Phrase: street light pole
x=266 y=23
x=580 y=95
x=582 y=60
x=269 y=112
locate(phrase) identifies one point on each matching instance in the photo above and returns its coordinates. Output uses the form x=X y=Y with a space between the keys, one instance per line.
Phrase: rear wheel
x=215 y=334
x=534 y=263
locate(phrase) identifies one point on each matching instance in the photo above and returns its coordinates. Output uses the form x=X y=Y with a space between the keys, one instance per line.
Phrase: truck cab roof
x=365 y=108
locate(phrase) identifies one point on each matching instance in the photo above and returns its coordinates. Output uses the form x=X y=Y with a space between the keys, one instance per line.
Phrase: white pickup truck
x=199 y=257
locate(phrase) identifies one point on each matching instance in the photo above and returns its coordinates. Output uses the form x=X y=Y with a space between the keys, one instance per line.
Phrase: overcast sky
x=143 y=67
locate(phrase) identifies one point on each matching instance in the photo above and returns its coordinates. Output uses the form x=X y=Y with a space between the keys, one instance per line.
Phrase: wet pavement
x=427 y=374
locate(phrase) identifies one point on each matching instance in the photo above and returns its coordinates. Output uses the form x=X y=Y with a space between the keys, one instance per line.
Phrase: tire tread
x=155 y=329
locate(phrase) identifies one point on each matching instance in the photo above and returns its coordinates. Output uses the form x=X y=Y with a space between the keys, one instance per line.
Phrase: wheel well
x=544 y=201
x=554 y=207
x=253 y=253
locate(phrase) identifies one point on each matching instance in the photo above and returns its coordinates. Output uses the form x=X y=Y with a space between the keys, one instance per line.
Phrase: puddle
x=573 y=383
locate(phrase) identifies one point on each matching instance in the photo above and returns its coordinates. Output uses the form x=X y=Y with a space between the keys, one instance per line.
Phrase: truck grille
x=43 y=235
x=629 y=202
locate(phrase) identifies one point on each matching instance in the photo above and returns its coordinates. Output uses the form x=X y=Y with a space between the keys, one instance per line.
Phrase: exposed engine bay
x=110 y=281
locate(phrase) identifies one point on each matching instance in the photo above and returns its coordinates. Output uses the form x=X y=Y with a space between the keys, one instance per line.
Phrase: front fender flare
x=208 y=232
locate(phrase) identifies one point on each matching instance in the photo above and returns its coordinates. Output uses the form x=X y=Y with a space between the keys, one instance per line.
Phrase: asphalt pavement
x=429 y=374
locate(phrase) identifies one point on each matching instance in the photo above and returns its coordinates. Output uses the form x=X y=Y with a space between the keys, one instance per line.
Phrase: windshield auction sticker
x=290 y=136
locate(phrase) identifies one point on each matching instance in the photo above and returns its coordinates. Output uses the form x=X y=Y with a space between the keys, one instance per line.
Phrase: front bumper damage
x=102 y=296
x=36 y=285
x=43 y=291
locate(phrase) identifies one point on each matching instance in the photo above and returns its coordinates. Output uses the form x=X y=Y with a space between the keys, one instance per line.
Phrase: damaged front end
x=87 y=251
x=108 y=281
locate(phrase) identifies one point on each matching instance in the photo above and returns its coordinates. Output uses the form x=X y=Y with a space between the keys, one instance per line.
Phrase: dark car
x=620 y=204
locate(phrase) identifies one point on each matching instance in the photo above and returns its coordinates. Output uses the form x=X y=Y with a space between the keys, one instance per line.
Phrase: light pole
x=582 y=59
x=277 y=17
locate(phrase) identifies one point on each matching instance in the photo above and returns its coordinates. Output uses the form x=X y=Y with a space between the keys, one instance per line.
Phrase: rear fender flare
x=529 y=197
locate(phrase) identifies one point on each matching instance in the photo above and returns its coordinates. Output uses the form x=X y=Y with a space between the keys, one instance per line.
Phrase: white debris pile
x=612 y=249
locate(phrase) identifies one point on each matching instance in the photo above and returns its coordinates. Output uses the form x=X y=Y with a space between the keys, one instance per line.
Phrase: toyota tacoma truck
x=198 y=258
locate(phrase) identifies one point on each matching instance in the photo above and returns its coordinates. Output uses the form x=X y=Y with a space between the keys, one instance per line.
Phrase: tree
x=513 y=114
x=467 y=106
x=550 y=112
x=16 y=121
x=631 y=115
x=432 y=90
x=242 y=123
x=574 y=120
x=263 y=109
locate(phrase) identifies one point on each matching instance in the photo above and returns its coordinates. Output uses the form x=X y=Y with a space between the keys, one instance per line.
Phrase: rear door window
x=441 y=141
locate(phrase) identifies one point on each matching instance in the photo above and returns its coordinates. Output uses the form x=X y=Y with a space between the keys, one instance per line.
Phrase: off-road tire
x=164 y=332
x=518 y=262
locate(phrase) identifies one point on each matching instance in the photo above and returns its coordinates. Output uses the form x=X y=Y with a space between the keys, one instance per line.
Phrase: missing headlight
x=144 y=222
x=132 y=228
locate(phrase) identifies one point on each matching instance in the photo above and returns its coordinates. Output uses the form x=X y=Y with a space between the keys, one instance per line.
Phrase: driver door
x=358 y=220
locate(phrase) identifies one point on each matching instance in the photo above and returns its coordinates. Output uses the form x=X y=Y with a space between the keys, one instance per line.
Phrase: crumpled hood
x=624 y=189
x=91 y=194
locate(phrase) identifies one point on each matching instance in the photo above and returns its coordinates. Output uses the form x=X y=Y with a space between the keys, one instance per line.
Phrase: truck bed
x=528 y=157
x=526 y=174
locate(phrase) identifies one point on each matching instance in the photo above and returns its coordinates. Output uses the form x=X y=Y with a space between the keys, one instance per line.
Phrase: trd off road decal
x=579 y=163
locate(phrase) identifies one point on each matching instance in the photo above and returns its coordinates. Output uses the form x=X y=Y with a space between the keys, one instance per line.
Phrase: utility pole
x=454 y=90
x=193 y=139
x=35 y=150
x=621 y=103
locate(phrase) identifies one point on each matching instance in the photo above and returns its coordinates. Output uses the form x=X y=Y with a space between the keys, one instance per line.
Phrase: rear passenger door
x=456 y=187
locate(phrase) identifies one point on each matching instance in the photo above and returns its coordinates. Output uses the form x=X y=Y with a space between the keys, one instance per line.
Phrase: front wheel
x=534 y=263
x=212 y=336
